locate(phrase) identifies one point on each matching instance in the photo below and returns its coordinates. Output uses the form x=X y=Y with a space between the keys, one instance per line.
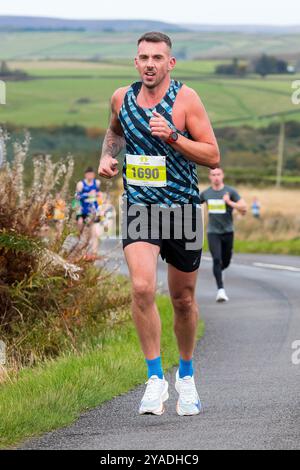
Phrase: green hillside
x=78 y=93
x=103 y=45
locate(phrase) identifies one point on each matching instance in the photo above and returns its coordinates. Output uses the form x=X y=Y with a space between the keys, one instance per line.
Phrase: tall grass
x=280 y=215
x=270 y=227
x=50 y=301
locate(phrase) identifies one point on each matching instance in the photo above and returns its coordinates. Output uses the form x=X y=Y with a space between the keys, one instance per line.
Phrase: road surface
x=246 y=378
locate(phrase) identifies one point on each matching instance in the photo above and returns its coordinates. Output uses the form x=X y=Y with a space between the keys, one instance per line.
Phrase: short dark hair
x=155 y=36
x=89 y=170
x=216 y=168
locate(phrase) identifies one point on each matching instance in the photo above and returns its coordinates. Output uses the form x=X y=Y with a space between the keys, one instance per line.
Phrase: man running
x=166 y=131
x=221 y=200
x=87 y=194
x=255 y=208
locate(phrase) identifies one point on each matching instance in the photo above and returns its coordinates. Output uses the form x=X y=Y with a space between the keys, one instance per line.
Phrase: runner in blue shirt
x=88 y=210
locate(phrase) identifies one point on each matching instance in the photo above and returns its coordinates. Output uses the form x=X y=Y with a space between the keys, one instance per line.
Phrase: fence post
x=2 y=92
x=280 y=153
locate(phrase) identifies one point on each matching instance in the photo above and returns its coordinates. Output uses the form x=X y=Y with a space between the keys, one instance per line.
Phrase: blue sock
x=155 y=367
x=185 y=368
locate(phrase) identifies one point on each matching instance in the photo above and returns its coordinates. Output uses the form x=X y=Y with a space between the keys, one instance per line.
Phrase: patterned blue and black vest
x=182 y=180
x=89 y=204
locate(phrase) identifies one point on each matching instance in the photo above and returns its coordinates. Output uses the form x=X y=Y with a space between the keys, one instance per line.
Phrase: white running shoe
x=154 y=397
x=221 y=296
x=188 y=403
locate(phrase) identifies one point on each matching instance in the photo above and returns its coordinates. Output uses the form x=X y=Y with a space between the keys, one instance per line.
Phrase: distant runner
x=88 y=211
x=221 y=200
x=255 y=207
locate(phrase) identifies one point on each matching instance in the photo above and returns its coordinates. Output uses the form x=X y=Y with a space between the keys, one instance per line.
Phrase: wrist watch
x=173 y=137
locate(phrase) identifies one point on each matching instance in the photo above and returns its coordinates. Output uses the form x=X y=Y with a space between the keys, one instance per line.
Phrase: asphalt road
x=246 y=379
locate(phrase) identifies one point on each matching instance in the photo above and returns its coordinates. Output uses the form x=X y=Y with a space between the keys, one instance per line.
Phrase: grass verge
x=54 y=394
x=278 y=247
x=281 y=247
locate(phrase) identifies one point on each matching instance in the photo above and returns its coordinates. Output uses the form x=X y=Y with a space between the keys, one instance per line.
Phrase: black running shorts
x=177 y=246
x=84 y=217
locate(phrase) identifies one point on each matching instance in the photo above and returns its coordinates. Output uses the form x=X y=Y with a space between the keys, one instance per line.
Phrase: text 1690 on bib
x=146 y=170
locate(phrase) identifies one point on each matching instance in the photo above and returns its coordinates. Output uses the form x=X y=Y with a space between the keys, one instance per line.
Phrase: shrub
x=49 y=303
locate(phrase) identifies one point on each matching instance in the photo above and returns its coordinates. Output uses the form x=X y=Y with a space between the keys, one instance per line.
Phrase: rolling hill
x=32 y=23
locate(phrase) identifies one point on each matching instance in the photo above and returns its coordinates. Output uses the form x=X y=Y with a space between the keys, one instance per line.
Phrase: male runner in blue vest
x=166 y=131
x=87 y=192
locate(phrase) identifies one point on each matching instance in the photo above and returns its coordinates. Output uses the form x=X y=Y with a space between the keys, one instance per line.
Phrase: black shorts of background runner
x=220 y=247
x=87 y=217
x=172 y=250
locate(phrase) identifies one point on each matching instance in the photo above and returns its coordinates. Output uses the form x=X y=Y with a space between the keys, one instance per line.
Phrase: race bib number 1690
x=146 y=170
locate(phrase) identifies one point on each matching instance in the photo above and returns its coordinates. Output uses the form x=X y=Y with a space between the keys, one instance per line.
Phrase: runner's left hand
x=159 y=126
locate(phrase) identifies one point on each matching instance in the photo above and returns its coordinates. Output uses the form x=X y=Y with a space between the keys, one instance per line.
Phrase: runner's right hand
x=108 y=167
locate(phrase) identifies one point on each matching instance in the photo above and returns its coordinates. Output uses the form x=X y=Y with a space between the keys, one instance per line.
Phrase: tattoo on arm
x=112 y=144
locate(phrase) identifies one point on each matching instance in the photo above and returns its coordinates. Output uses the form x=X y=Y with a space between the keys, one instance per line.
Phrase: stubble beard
x=151 y=86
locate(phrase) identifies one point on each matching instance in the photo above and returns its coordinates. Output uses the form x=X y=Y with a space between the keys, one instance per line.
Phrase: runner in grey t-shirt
x=221 y=200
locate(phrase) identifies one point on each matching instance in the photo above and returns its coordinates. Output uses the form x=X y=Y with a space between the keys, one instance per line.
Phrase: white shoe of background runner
x=188 y=403
x=154 y=397
x=221 y=296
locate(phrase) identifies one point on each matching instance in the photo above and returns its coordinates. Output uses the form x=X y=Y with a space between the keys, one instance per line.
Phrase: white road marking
x=276 y=266
x=280 y=267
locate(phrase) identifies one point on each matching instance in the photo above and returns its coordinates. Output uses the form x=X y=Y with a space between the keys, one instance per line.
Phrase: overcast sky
x=184 y=11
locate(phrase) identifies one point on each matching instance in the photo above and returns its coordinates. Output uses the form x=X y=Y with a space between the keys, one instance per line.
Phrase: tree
x=266 y=65
x=234 y=68
x=4 y=70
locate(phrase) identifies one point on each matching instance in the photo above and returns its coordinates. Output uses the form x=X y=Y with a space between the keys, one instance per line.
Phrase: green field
x=103 y=45
x=68 y=93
